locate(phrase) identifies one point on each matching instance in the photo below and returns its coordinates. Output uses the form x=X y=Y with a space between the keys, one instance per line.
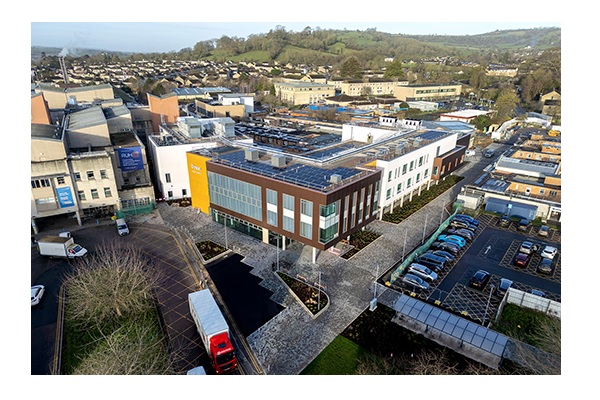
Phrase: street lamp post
x=488 y=304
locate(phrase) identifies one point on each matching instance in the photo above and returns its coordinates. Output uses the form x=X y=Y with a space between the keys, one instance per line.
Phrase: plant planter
x=306 y=294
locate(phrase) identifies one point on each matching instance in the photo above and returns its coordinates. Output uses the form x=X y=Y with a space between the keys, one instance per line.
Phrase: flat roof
x=295 y=173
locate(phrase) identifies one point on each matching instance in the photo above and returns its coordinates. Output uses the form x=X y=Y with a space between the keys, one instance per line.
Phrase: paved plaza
x=288 y=342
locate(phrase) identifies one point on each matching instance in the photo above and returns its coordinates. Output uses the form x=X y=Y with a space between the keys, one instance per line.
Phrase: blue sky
x=173 y=36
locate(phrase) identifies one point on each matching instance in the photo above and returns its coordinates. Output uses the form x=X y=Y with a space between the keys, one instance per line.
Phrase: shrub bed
x=210 y=249
x=418 y=202
x=360 y=240
x=308 y=294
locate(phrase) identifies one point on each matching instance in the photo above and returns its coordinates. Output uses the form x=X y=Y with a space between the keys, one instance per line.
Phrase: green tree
x=351 y=68
x=394 y=70
x=505 y=105
x=482 y=121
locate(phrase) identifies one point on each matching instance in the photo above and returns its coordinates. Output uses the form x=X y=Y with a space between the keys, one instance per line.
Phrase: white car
x=422 y=272
x=549 y=252
x=470 y=152
x=37 y=292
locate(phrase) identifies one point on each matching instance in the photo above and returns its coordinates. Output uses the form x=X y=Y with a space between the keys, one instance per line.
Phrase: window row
x=91 y=175
x=94 y=194
x=46 y=182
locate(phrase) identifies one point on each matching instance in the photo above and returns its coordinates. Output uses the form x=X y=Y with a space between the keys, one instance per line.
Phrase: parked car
x=422 y=272
x=503 y=287
x=442 y=253
x=470 y=152
x=415 y=281
x=545 y=266
x=488 y=153
x=455 y=223
x=544 y=230
x=480 y=279
x=432 y=261
x=523 y=224
x=462 y=232
x=466 y=233
x=529 y=247
x=446 y=246
x=37 y=292
x=453 y=238
x=122 y=228
x=468 y=218
x=505 y=220
x=549 y=252
x=522 y=259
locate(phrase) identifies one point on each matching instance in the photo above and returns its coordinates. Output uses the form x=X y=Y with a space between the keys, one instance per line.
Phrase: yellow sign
x=198 y=181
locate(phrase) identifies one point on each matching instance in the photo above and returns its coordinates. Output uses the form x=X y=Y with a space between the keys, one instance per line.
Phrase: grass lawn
x=339 y=358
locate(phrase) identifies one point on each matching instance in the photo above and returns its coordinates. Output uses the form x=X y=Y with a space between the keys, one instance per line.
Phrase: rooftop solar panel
x=298 y=174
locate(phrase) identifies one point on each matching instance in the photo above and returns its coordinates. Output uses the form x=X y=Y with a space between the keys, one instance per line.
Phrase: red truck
x=213 y=330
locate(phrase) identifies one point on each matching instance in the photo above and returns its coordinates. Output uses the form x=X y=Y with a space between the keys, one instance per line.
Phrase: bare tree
x=429 y=362
x=132 y=349
x=113 y=282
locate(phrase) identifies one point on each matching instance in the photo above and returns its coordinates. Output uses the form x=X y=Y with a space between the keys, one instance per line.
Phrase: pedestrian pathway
x=288 y=342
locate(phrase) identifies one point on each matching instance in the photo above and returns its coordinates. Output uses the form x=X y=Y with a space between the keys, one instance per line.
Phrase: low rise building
x=427 y=92
x=297 y=93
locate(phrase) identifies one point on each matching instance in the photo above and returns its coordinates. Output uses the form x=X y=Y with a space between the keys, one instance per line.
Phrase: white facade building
x=411 y=171
x=168 y=151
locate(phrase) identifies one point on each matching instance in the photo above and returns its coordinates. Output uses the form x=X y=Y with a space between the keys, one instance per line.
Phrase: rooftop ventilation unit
x=335 y=178
x=278 y=161
x=400 y=149
x=251 y=155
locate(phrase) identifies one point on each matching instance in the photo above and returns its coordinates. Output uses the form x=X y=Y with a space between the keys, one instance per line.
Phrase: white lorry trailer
x=213 y=330
x=62 y=246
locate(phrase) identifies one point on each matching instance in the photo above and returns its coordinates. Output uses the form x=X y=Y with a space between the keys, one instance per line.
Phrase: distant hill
x=330 y=46
x=37 y=51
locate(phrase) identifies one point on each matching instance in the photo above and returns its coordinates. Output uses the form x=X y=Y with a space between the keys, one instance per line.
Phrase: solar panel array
x=297 y=174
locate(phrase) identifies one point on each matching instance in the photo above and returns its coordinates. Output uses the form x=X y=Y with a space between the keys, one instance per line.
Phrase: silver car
x=422 y=272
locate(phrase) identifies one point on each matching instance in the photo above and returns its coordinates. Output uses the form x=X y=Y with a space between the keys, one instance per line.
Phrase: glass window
x=103 y=174
x=95 y=194
x=90 y=175
x=388 y=194
x=306 y=207
x=107 y=192
x=77 y=176
x=81 y=195
x=60 y=180
x=305 y=230
x=168 y=178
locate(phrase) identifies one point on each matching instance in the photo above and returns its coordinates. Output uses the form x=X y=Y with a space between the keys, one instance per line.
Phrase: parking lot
x=493 y=249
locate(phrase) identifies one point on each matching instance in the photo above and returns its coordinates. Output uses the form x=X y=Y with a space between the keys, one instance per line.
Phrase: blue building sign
x=65 y=197
x=131 y=159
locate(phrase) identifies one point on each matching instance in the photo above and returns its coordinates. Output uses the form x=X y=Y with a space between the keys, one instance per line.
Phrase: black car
x=505 y=220
x=441 y=253
x=446 y=246
x=480 y=279
x=545 y=266
x=503 y=287
x=462 y=232
x=523 y=224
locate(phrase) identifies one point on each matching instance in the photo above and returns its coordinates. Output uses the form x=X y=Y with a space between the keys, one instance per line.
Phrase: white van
x=122 y=227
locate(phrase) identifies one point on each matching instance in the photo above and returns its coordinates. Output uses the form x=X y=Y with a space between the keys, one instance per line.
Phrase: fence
x=421 y=249
x=531 y=301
